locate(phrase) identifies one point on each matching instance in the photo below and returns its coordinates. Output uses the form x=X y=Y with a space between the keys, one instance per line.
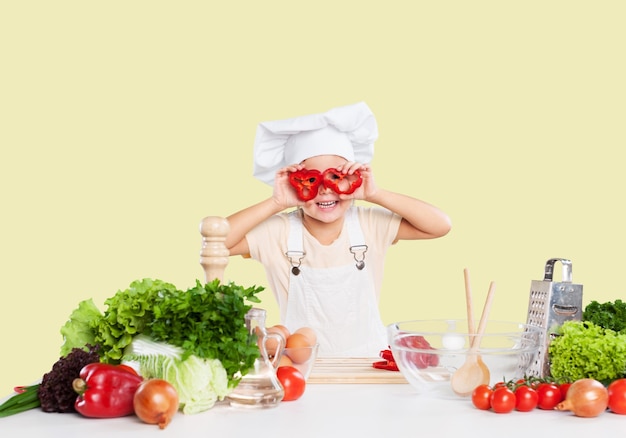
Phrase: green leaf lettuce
x=586 y=350
x=79 y=330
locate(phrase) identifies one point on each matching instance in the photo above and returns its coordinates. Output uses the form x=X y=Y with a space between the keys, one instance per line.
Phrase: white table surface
x=330 y=410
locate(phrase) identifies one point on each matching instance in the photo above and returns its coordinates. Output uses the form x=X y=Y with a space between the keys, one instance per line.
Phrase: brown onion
x=585 y=398
x=156 y=402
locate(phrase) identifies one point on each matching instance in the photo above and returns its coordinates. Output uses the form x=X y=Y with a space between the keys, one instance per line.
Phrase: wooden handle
x=484 y=317
x=470 y=307
x=214 y=254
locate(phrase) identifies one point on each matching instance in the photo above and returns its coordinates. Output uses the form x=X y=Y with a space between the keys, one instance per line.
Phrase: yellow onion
x=156 y=402
x=585 y=398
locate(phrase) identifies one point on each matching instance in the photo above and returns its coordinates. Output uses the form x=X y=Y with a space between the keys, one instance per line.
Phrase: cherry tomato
x=526 y=398
x=293 y=382
x=502 y=400
x=563 y=387
x=499 y=385
x=549 y=396
x=617 y=396
x=481 y=397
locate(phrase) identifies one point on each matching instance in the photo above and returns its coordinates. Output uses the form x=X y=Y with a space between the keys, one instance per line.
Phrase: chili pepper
x=105 y=390
x=20 y=389
x=334 y=180
x=306 y=182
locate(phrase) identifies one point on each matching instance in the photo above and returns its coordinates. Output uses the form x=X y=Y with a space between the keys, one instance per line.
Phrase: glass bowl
x=302 y=358
x=429 y=352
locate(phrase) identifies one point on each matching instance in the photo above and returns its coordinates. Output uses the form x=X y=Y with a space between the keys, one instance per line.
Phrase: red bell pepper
x=388 y=363
x=340 y=183
x=306 y=182
x=105 y=390
x=421 y=360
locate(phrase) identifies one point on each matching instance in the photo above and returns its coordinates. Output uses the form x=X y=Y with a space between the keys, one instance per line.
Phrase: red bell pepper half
x=340 y=183
x=388 y=363
x=306 y=182
x=105 y=390
x=421 y=360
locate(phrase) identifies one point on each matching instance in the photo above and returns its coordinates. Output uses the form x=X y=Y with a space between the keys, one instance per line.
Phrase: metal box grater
x=550 y=305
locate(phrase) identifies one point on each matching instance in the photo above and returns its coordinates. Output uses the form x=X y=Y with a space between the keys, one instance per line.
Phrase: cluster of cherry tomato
x=523 y=395
x=527 y=394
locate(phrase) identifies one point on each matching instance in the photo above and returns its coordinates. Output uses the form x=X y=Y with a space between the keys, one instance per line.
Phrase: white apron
x=339 y=303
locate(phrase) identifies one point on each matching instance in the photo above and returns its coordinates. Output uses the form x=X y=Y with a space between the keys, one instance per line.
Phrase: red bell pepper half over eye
x=306 y=183
x=340 y=183
x=105 y=390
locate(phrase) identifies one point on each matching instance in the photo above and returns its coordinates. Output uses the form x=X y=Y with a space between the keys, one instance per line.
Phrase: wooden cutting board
x=351 y=370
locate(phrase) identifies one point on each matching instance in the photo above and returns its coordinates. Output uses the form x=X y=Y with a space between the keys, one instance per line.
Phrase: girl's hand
x=284 y=195
x=368 y=187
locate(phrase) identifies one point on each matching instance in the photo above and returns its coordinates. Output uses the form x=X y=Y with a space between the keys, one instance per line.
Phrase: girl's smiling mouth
x=326 y=204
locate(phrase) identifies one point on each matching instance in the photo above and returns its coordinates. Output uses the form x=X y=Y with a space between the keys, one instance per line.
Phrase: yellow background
x=123 y=124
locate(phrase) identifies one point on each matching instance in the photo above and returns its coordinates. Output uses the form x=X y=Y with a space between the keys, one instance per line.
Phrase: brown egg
x=298 y=348
x=282 y=330
x=272 y=344
x=309 y=333
x=283 y=362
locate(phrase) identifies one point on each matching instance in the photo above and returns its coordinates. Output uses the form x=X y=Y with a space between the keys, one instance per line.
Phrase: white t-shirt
x=268 y=243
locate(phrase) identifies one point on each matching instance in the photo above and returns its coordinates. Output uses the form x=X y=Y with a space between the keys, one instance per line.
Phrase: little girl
x=324 y=260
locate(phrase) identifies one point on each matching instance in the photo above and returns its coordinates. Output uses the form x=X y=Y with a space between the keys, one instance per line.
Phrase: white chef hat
x=348 y=131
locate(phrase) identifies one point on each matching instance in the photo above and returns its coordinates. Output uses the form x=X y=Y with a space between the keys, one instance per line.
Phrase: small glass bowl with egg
x=429 y=352
x=300 y=349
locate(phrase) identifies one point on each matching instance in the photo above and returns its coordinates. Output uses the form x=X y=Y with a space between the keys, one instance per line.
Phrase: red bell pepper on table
x=105 y=390
x=388 y=363
x=420 y=360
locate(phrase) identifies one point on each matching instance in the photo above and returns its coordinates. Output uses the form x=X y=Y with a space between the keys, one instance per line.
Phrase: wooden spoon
x=474 y=371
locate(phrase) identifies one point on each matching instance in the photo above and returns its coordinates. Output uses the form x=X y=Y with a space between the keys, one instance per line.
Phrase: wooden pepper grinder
x=214 y=254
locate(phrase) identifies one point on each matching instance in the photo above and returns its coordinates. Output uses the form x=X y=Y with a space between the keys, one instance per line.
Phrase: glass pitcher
x=260 y=387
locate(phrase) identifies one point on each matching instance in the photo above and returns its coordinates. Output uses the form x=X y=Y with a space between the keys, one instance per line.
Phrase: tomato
x=481 y=397
x=502 y=400
x=499 y=385
x=563 y=387
x=617 y=396
x=526 y=398
x=549 y=396
x=293 y=382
